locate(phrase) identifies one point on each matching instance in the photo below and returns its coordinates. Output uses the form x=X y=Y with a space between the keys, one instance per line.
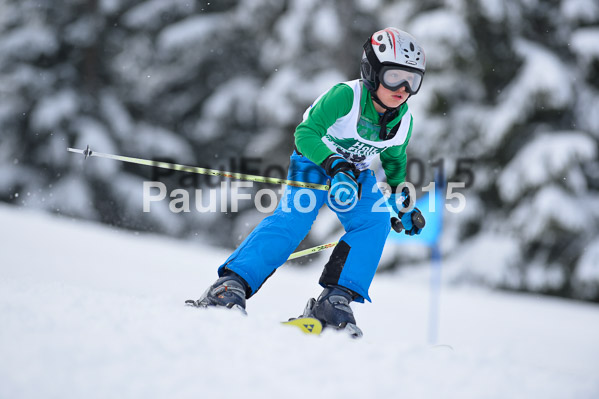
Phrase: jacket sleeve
x=394 y=161
x=334 y=104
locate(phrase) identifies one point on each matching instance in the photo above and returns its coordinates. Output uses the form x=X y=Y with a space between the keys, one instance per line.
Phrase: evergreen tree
x=510 y=89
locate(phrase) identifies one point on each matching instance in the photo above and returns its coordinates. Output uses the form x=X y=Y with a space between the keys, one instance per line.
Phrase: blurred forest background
x=511 y=85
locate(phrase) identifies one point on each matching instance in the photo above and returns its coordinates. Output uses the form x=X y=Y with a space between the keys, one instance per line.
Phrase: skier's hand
x=344 y=183
x=412 y=221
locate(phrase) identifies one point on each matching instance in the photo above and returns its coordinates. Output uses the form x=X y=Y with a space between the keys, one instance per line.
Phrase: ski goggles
x=393 y=77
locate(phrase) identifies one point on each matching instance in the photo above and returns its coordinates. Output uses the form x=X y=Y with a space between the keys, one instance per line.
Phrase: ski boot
x=333 y=310
x=228 y=291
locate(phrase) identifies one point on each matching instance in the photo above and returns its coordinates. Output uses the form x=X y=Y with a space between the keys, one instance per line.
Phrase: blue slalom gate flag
x=432 y=207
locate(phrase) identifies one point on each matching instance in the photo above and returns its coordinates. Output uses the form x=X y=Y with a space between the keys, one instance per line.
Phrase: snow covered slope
x=90 y=312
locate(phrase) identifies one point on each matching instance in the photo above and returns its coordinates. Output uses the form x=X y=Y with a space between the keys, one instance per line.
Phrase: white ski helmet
x=394 y=59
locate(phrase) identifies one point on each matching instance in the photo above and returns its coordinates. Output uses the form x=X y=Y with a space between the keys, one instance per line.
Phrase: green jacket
x=337 y=103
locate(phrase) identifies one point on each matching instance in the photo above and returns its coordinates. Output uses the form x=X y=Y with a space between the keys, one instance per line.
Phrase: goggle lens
x=394 y=78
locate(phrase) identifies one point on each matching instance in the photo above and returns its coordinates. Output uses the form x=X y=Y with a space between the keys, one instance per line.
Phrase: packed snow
x=90 y=311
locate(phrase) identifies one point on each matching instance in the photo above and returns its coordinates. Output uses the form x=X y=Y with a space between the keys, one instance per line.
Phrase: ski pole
x=194 y=169
x=417 y=219
x=312 y=250
x=397 y=226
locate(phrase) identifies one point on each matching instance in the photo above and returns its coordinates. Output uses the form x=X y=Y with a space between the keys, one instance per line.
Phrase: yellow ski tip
x=308 y=325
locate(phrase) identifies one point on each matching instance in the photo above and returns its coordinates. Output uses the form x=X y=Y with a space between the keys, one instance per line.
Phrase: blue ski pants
x=353 y=261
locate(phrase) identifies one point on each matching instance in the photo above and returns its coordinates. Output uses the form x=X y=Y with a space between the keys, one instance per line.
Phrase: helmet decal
x=391 y=41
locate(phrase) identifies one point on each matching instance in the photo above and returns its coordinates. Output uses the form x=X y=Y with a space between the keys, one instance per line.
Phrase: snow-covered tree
x=512 y=85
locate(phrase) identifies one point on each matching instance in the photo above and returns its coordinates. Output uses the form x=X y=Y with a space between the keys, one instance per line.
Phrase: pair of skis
x=307 y=325
x=310 y=325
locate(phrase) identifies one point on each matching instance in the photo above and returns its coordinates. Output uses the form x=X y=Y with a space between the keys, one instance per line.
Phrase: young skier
x=341 y=132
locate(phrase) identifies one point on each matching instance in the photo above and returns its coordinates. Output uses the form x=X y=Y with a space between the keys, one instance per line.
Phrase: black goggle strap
x=371 y=56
